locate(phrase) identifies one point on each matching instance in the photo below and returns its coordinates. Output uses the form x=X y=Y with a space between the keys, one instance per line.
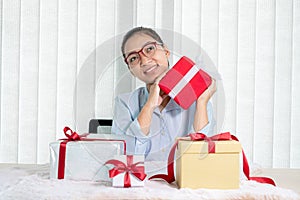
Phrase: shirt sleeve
x=124 y=122
x=208 y=129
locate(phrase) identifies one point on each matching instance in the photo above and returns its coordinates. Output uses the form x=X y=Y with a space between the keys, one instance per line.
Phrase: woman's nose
x=144 y=59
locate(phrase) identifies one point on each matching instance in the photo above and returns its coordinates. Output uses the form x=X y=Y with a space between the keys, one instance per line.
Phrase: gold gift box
x=196 y=168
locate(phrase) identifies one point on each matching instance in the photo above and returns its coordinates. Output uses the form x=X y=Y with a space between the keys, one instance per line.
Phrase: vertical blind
x=49 y=49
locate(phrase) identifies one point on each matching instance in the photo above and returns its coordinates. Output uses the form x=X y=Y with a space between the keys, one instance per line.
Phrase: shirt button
x=163 y=132
x=163 y=149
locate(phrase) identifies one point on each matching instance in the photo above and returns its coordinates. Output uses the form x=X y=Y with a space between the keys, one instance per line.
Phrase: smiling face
x=148 y=69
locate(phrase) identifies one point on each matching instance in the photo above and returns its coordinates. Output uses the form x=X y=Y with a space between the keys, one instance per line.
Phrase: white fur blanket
x=34 y=183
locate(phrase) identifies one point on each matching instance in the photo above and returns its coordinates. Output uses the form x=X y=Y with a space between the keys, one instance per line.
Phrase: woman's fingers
x=213 y=86
x=207 y=94
x=160 y=77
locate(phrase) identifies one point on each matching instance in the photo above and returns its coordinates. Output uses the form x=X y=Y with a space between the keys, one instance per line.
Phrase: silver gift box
x=85 y=160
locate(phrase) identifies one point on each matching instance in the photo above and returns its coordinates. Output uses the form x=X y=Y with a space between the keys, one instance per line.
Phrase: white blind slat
x=1 y=19
x=158 y=14
x=282 y=85
x=295 y=104
x=144 y=13
x=246 y=75
x=47 y=78
x=86 y=65
x=10 y=63
x=264 y=82
x=104 y=72
x=29 y=59
x=228 y=60
x=167 y=14
x=210 y=44
x=66 y=64
x=191 y=12
x=125 y=20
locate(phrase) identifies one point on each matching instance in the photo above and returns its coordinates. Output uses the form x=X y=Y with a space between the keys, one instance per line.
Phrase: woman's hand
x=201 y=117
x=155 y=99
x=208 y=93
x=156 y=96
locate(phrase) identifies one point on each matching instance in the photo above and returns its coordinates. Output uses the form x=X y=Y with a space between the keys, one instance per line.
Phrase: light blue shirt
x=172 y=122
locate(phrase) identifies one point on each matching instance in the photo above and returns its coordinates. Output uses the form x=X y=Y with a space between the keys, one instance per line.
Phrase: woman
x=149 y=115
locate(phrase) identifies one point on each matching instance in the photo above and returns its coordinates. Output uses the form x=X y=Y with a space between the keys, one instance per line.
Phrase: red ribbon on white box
x=129 y=168
x=73 y=136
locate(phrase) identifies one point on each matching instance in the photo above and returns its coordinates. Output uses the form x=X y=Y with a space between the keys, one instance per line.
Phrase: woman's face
x=148 y=69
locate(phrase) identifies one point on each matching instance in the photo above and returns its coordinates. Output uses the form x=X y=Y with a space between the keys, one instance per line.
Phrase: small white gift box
x=128 y=171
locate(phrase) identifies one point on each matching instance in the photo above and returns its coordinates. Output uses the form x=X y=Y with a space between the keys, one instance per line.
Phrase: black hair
x=147 y=31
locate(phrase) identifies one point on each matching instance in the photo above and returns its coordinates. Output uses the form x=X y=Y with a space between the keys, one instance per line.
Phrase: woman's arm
x=156 y=99
x=201 y=116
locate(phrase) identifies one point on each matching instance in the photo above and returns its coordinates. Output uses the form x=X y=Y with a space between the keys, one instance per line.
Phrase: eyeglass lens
x=148 y=51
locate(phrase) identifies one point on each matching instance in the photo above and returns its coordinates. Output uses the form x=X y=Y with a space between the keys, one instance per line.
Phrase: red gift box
x=185 y=82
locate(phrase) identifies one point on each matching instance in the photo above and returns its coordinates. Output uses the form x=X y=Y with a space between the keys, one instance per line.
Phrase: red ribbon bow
x=210 y=140
x=132 y=168
x=62 y=150
x=73 y=136
x=211 y=149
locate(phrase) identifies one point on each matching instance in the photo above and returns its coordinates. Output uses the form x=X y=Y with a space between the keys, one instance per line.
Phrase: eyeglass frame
x=141 y=50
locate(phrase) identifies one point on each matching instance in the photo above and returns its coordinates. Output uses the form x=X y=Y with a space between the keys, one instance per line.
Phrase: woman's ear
x=167 y=52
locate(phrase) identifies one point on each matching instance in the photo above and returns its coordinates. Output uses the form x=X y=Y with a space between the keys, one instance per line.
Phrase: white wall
x=61 y=65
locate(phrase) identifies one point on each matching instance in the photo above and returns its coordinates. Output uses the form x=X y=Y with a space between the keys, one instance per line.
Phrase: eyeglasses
x=148 y=50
